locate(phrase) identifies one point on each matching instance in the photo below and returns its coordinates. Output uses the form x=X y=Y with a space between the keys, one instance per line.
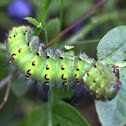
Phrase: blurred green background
x=85 y=37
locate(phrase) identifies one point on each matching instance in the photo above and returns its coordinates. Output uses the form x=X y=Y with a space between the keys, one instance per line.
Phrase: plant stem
x=76 y=22
x=5 y=96
x=7 y=79
x=83 y=42
x=46 y=35
x=61 y=15
x=94 y=41
x=42 y=17
x=50 y=104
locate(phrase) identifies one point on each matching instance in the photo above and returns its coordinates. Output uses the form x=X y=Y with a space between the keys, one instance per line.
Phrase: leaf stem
x=83 y=42
x=50 y=104
x=46 y=35
x=76 y=22
x=61 y=15
x=43 y=17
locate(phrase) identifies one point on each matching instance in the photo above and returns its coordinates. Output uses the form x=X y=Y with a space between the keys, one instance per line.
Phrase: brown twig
x=76 y=22
x=7 y=79
x=5 y=96
x=3 y=83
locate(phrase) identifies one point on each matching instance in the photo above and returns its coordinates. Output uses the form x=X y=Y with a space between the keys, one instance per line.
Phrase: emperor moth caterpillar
x=59 y=68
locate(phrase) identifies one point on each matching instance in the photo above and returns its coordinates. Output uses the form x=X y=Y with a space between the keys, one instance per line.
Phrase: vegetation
x=27 y=104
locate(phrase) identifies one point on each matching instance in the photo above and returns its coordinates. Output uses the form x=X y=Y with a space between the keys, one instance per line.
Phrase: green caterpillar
x=59 y=68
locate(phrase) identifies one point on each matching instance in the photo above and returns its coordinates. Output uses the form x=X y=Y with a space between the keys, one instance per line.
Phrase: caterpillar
x=57 y=68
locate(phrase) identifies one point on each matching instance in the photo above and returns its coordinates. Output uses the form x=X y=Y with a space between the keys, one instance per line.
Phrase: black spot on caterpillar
x=56 y=68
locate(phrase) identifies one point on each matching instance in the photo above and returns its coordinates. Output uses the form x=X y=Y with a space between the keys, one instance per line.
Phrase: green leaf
x=76 y=10
x=4 y=3
x=60 y=113
x=5 y=21
x=112 y=46
x=66 y=115
x=113 y=113
x=33 y=21
x=38 y=117
x=53 y=29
